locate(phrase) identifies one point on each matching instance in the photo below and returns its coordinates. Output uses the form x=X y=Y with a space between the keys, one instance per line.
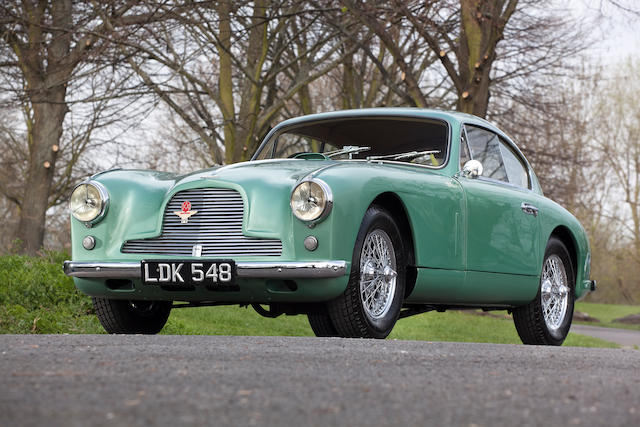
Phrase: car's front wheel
x=321 y=325
x=370 y=306
x=546 y=320
x=132 y=317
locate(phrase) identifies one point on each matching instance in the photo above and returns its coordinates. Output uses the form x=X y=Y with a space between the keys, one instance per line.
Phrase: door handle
x=529 y=209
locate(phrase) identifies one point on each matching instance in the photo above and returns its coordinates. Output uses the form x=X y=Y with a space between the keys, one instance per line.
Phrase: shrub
x=37 y=297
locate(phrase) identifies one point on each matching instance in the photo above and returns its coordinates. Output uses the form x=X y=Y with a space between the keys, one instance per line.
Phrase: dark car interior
x=381 y=138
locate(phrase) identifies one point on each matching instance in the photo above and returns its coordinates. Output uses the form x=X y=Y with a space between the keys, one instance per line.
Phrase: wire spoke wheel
x=546 y=320
x=371 y=303
x=554 y=292
x=378 y=274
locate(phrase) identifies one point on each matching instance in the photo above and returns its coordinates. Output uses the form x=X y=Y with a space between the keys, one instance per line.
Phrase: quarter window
x=516 y=171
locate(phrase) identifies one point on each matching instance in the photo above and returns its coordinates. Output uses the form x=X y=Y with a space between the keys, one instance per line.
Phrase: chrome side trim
x=245 y=269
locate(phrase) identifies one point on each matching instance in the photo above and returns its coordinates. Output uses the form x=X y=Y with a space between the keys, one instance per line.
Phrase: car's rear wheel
x=132 y=317
x=370 y=306
x=547 y=319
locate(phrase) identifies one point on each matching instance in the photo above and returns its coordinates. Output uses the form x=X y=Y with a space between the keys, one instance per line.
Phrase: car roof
x=450 y=116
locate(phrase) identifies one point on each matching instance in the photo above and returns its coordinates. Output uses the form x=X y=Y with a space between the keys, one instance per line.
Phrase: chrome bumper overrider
x=258 y=270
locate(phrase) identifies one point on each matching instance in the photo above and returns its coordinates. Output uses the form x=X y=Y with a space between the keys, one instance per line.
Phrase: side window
x=516 y=171
x=485 y=147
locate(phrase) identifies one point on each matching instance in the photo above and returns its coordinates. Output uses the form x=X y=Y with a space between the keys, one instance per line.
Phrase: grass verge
x=607 y=312
x=449 y=326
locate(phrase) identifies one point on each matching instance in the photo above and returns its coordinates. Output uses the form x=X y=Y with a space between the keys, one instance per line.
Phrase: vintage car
x=354 y=218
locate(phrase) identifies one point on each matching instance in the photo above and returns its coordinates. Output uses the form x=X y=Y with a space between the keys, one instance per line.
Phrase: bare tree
x=228 y=68
x=46 y=46
x=480 y=44
x=629 y=7
x=618 y=137
x=393 y=69
x=587 y=159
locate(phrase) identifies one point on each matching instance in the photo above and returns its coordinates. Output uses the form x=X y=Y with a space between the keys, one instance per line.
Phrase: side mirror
x=472 y=169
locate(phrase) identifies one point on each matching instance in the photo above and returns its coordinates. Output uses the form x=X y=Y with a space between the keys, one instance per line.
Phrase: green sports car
x=353 y=218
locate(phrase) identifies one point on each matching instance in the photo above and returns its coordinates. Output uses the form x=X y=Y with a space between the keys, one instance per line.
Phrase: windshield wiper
x=347 y=149
x=404 y=156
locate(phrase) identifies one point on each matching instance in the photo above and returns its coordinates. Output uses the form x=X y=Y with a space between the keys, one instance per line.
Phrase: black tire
x=321 y=325
x=132 y=317
x=347 y=312
x=531 y=323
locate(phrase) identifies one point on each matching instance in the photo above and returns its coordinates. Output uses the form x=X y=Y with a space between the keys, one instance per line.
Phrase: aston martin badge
x=186 y=212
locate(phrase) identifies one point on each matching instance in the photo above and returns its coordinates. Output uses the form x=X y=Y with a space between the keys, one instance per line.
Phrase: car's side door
x=502 y=227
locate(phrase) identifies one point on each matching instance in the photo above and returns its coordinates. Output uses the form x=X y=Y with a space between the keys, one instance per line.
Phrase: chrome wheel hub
x=378 y=274
x=554 y=292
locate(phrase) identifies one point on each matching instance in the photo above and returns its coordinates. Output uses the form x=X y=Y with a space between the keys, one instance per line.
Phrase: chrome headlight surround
x=325 y=205
x=102 y=203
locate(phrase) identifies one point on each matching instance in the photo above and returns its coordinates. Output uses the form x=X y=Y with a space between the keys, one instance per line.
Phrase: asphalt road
x=80 y=380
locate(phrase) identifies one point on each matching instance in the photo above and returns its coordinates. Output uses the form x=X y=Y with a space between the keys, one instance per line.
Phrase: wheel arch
x=568 y=239
x=393 y=203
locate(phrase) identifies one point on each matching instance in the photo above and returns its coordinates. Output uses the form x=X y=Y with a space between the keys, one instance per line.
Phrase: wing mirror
x=472 y=169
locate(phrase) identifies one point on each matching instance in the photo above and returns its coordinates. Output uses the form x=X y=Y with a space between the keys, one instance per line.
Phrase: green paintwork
x=472 y=243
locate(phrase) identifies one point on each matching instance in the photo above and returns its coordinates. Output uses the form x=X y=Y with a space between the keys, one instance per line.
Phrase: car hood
x=265 y=172
x=276 y=174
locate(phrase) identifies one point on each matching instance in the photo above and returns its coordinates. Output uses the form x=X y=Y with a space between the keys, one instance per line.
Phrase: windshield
x=423 y=142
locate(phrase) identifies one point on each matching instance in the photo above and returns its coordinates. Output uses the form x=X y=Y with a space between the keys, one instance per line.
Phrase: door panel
x=501 y=237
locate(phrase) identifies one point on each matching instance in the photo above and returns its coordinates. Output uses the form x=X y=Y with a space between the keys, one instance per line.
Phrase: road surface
x=624 y=337
x=82 y=380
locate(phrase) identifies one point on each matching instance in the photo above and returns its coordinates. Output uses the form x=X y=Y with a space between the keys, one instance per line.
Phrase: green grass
x=607 y=312
x=37 y=297
x=448 y=326
x=233 y=320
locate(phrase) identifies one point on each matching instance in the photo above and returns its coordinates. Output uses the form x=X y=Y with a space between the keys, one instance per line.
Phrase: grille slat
x=217 y=226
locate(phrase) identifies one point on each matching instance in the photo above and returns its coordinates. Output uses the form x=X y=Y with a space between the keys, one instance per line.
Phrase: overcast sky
x=616 y=33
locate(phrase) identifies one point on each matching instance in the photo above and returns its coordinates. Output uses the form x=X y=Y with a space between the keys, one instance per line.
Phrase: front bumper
x=245 y=270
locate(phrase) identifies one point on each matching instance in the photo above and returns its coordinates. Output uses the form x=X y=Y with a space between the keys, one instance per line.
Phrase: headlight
x=311 y=200
x=88 y=202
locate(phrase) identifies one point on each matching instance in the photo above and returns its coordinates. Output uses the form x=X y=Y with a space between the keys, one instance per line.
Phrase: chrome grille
x=217 y=226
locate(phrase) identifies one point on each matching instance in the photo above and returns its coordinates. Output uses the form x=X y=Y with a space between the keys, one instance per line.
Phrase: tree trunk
x=45 y=133
x=225 y=83
x=482 y=27
x=252 y=85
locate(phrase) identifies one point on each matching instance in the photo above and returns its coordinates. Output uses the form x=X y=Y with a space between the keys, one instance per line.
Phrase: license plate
x=213 y=273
